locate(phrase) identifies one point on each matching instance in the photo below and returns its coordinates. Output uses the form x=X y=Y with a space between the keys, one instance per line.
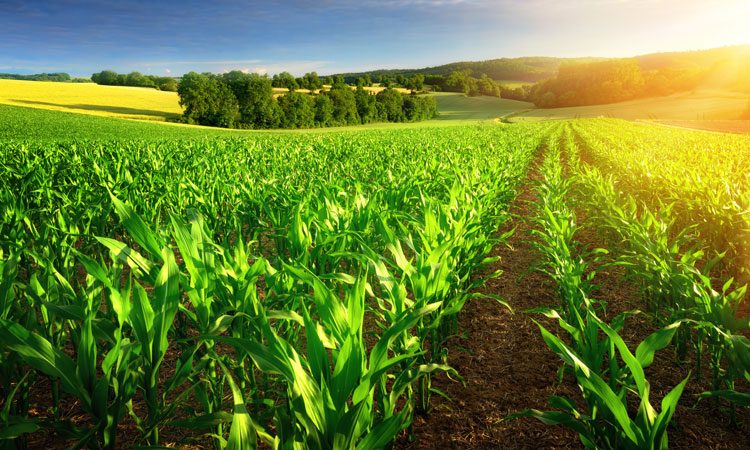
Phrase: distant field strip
x=89 y=98
x=698 y=105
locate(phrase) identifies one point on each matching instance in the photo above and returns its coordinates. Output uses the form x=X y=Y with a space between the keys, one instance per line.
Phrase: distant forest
x=560 y=82
x=135 y=79
x=530 y=69
x=241 y=100
x=54 y=76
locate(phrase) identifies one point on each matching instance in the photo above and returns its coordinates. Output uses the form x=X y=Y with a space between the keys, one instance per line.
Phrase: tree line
x=246 y=100
x=463 y=81
x=609 y=82
x=54 y=76
x=136 y=79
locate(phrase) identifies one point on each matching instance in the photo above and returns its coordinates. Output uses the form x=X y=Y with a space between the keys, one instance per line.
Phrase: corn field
x=294 y=291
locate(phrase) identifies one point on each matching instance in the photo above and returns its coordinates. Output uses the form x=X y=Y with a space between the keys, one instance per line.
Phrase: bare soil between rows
x=507 y=367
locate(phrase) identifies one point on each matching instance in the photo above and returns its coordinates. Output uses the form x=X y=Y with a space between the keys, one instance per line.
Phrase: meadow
x=431 y=285
x=699 y=105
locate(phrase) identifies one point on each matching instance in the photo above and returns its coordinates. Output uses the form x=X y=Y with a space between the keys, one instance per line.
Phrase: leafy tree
x=323 y=110
x=207 y=100
x=488 y=86
x=137 y=79
x=298 y=110
x=392 y=104
x=166 y=84
x=520 y=93
x=591 y=83
x=285 y=80
x=54 y=76
x=366 y=105
x=344 y=106
x=254 y=94
x=415 y=83
x=105 y=77
x=458 y=81
x=419 y=107
x=312 y=81
x=339 y=83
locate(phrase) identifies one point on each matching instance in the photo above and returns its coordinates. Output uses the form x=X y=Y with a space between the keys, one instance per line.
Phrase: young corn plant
x=676 y=286
x=606 y=422
x=332 y=388
x=604 y=368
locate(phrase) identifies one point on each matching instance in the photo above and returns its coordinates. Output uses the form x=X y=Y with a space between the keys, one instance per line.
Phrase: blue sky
x=174 y=37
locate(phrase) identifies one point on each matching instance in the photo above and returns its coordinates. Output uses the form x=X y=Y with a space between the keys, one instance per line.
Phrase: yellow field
x=111 y=101
x=90 y=98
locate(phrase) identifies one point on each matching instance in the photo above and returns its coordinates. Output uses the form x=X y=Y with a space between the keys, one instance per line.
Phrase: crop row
x=703 y=177
x=285 y=290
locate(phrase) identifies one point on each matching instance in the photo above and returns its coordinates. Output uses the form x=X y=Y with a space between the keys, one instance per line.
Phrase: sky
x=168 y=37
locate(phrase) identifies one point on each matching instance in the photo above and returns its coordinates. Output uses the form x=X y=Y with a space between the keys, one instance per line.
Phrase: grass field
x=37 y=124
x=698 y=105
x=453 y=106
x=721 y=126
x=32 y=123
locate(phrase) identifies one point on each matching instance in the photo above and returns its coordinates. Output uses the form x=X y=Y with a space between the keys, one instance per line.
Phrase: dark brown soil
x=507 y=367
x=503 y=359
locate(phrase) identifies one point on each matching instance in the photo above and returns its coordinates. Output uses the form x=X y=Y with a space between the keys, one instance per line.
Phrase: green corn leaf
x=42 y=356
x=138 y=230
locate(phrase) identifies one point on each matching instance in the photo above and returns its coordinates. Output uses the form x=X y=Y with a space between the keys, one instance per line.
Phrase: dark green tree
x=312 y=81
x=323 y=110
x=344 y=106
x=207 y=100
x=488 y=86
x=285 y=80
x=392 y=103
x=298 y=110
x=254 y=95
x=366 y=105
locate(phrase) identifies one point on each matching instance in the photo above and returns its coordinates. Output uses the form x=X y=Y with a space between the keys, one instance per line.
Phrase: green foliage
x=344 y=105
x=610 y=81
x=285 y=80
x=315 y=285
x=208 y=100
x=34 y=124
x=604 y=368
x=254 y=97
x=110 y=78
x=391 y=103
x=55 y=76
x=298 y=110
